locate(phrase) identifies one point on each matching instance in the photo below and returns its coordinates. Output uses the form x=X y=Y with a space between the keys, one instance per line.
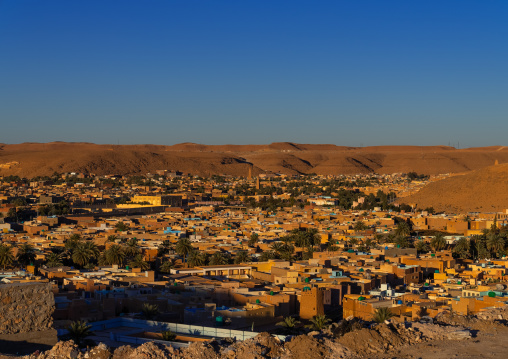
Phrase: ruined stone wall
x=26 y=307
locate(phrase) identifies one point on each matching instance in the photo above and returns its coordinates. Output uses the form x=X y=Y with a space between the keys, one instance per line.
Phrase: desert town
x=271 y=253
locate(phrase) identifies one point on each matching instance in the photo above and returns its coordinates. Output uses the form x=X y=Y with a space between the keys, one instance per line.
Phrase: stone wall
x=26 y=307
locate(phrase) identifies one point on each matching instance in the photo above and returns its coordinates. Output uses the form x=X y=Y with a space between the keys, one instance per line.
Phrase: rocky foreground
x=451 y=335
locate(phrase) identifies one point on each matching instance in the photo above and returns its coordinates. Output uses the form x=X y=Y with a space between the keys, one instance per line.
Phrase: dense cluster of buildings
x=209 y=252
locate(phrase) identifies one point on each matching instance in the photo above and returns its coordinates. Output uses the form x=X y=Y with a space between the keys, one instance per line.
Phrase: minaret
x=257 y=182
x=249 y=177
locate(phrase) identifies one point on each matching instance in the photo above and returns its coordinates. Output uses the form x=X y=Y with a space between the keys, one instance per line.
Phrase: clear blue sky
x=214 y=72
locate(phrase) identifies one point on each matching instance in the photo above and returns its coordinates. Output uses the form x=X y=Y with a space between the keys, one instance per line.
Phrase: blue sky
x=344 y=72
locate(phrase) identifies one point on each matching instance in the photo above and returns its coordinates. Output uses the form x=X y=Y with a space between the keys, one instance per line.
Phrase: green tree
x=121 y=227
x=81 y=255
x=254 y=238
x=54 y=260
x=149 y=311
x=289 y=324
x=78 y=331
x=403 y=229
x=166 y=266
x=114 y=255
x=242 y=257
x=267 y=255
x=184 y=247
x=496 y=244
x=131 y=249
x=319 y=322
x=360 y=226
x=421 y=246
x=164 y=248
x=462 y=248
x=139 y=262
x=438 y=243
x=72 y=242
x=196 y=259
x=26 y=254
x=6 y=256
x=381 y=314
x=218 y=258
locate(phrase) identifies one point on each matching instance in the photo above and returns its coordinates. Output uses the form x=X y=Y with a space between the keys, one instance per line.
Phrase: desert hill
x=34 y=159
x=482 y=190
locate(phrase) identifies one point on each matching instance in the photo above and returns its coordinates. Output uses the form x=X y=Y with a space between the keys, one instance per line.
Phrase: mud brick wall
x=26 y=307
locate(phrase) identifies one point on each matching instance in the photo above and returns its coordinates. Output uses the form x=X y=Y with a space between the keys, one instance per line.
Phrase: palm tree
x=277 y=246
x=6 y=256
x=81 y=255
x=438 y=243
x=121 y=227
x=267 y=255
x=183 y=247
x=481 y=249
x=112 y=238
x=360 y=226
x=72 y=242
x=196 y=259
x=495 y=244
x=242 y=257
x=26 y=254
x=254 y=238
x=403 y=229
x=131 y=249
x=164 y=248
x=319 y=322
x=166 y=266
x=92 y=248
x=288 y=324
x=114 y=255
x=54 y=260
x=138 y=262
x=462 y=248
x=421 y=246
x=308 y=254
x=149 y=311
x=78 y=331
x=218 y=258
x=381 y=314
x=369 y=243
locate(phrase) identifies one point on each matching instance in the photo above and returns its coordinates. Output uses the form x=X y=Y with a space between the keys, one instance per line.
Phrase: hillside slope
x=483 y=190
x=33 y=159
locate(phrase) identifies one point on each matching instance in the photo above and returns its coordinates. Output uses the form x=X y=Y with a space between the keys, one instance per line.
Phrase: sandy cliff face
x=483 y=190
x=34 y=159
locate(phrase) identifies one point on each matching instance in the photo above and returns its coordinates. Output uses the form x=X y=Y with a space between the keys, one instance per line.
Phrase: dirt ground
x=488 y=344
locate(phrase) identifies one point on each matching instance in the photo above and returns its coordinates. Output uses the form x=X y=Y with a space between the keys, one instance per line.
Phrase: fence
x=162 y=326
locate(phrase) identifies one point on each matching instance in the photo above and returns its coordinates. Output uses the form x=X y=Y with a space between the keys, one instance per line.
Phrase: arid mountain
x=33 y=159
x=484 y=190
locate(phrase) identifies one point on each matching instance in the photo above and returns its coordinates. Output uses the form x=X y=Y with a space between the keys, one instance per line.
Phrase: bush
x=168 y=335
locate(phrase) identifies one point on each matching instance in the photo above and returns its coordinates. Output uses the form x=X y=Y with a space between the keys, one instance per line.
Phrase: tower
x=311 y=302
